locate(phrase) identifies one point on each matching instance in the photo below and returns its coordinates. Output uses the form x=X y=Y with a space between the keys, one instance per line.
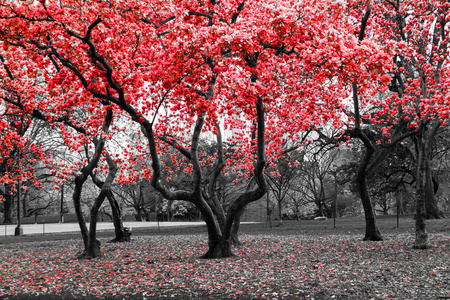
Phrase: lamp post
x=61 y=209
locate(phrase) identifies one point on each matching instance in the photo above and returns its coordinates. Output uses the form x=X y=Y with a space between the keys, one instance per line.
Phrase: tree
x=318 y=180
x=14 y=97
x=282 y=177
x=18 y=157
x=419 y=83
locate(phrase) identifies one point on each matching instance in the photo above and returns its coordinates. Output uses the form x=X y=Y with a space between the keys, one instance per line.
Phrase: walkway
x=28 y=229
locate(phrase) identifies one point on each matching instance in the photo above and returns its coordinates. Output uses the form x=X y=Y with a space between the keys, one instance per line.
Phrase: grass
x=299 y=260
x=350 y=226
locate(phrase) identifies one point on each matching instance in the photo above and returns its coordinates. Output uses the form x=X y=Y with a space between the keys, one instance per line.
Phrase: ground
x=300 y=260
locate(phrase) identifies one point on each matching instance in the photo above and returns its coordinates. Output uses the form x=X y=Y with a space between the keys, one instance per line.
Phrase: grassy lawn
x=299 y=260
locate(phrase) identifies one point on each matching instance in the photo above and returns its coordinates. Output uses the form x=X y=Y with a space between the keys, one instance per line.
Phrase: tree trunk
x=400 y=208
x=122 y=234
x=169 y=211
x=235 y=229
x=269 y=211
x=280 y=214
x=79 y=181
x=24 y=205
x=219 y=246
x=138 y=215
x=421 y=241
x=372 y=232
x=93 y=246
x=432 y=210
x=8 y=207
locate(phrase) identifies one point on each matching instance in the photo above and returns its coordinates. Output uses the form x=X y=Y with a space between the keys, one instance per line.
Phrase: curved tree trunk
x=90 y=248
x=122 y=234
x=93 y=246
x=218 y=245
x=235 y=229
x=76 y=197
x=372 y=231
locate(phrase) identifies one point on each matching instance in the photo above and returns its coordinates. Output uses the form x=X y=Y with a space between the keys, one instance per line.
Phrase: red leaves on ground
x=271 y=267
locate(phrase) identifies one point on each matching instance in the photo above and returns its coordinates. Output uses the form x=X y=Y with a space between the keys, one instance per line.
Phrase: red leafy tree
x=80 y=132
x=18 y=157
x=418 y=31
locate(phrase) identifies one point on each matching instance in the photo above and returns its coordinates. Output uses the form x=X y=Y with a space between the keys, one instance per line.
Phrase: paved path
x=73 y=227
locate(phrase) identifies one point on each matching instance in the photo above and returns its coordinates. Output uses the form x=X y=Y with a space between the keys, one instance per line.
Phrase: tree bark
x=235 y=229
x=432 y=210
x=220 y=240
x=8 y=207
x=372 y=231
x=280 y=215
x=122 y=234
x=93 y=248
x=252 y=194
x=421 y=241
x=219 y=246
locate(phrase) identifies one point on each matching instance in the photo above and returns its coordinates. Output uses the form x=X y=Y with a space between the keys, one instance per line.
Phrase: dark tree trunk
x=79 y=181
x=122 y=234
x=220 y=240
x=432 y=210
x=235 y=229
x=138 y=215
x=218 y=249
x=421 y=241
x=93 y=249
x=372 y=231
x=24 y=206
x=219 y=246
x=269 y=211
x=91 y=245
x=280 y=213
x=8 y=208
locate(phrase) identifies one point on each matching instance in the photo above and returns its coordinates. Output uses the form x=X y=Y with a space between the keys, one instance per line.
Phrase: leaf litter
x=264 y=267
